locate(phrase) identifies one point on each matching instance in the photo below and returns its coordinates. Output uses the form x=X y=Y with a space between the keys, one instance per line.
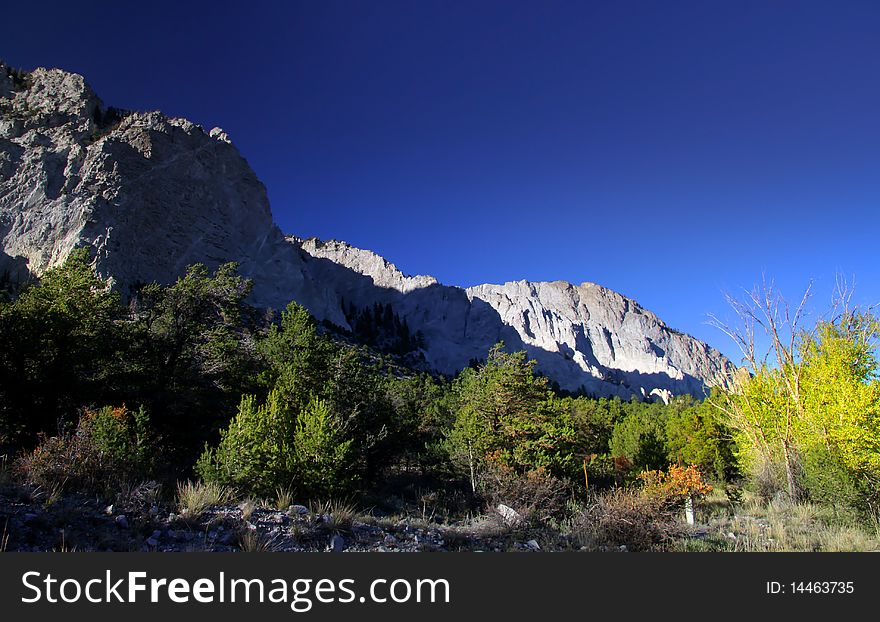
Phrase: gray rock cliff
x=151 y=194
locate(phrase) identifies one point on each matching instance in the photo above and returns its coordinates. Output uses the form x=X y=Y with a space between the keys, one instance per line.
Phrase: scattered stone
x=108 y=510
x=153 y=542
x=510 y=516
x=390 y=540
x=157 y=534
x=297 y=510
x=622 y=548
x=122 y=521
x=533 y=545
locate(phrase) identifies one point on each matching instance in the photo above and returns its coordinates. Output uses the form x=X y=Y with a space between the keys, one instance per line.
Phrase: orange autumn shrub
x=109 y=447
x=672 y=487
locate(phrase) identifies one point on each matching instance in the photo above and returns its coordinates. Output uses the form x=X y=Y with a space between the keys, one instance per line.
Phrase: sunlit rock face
x=149 y=195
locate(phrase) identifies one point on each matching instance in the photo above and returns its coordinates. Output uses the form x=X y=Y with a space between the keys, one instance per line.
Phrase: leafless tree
x=763 y=310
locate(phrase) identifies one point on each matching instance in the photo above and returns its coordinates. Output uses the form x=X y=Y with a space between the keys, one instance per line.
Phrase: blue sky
x=667 y=150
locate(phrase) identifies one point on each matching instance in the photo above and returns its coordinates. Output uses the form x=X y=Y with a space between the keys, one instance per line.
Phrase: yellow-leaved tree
x=839 y=434
x=806 y=416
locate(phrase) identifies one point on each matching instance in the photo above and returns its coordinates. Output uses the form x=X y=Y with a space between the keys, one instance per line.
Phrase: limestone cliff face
x=594 y=332
x=584 y=337
x=151 y=194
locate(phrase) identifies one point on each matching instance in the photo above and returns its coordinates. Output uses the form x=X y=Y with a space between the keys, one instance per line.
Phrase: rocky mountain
x=151 y=194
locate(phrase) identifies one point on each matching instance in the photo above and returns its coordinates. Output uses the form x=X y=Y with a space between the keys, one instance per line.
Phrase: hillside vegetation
x=195 y=411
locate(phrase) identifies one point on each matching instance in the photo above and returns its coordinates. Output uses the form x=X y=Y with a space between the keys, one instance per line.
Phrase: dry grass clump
x=784 y=526
x=250 y=541
x=335 y=516
x=283 y=498
x=193 y=498
x=107 y=450
x=781 y=526
x=624 y=517
x=68 y=459
x=536 y=496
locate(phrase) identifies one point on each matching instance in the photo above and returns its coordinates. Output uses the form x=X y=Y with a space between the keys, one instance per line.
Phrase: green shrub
x=323 y=459
x=267 y=448
x=303 y=365
x=641 y=438
x=123 y=436
x=601 y=470
x=255 y=453
x=827 y=481
x=695 y=436
x=505 y=414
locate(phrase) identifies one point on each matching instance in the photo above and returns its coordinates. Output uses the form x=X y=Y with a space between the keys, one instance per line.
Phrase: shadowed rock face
x=583 y=337
x=151 y=194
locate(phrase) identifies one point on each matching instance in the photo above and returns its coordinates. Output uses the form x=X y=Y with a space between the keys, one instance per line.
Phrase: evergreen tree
x=60 y=339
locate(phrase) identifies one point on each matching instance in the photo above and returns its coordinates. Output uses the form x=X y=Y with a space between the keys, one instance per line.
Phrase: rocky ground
x=33 y=521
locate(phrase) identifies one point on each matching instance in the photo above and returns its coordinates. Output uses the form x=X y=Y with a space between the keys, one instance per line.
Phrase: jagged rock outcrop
x=152 y=194
x=595 y=331
x=584 y=337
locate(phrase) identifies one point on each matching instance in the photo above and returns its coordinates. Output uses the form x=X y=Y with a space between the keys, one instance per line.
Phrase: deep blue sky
x=668 y=150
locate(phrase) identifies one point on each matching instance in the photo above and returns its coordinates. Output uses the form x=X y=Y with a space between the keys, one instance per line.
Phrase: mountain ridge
x=150 y=194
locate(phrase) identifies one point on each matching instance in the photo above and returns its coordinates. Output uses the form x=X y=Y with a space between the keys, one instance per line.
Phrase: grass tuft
x=283 y=498
x=194 y=498
x=249 y=541
x=336 y=516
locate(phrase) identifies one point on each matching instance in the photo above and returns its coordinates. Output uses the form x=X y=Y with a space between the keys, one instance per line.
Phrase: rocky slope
x=151 y=194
